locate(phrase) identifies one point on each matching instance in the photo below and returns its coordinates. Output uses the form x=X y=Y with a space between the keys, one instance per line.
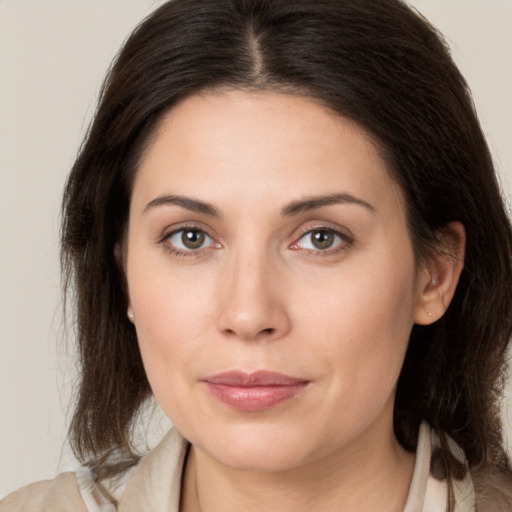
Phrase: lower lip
x=254 y=398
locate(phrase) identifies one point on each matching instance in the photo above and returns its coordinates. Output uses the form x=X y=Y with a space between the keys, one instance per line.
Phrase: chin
x=260 y=460
x=257 y=448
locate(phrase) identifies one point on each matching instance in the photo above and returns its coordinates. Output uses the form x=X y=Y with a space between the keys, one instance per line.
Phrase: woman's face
x=266 y=235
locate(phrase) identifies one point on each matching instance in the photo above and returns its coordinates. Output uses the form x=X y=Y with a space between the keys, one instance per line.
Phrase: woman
x=285 y=225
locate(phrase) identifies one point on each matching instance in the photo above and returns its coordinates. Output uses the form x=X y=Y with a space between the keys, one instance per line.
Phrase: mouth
x=256 y=391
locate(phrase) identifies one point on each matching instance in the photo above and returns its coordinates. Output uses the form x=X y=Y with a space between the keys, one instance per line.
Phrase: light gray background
x=53 y=56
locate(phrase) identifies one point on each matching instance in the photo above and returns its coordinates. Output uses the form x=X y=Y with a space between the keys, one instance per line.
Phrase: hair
x=376 y=62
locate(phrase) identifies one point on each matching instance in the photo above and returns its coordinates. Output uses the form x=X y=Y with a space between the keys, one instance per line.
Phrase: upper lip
x=258 y=378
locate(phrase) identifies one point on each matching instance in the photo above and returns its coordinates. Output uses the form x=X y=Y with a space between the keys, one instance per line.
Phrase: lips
x=256 y=391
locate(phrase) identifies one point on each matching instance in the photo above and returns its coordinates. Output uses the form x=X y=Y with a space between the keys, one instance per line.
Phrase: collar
x=155 y=483
x=429 y=494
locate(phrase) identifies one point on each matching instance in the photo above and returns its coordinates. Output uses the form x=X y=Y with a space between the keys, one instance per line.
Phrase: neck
x=372 y=474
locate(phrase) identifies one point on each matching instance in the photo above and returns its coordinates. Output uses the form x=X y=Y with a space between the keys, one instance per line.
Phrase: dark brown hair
x=376 y=62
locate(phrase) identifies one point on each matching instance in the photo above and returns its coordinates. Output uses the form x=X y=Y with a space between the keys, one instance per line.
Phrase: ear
x=130 y=314
x=440 y=274
x=119 y=255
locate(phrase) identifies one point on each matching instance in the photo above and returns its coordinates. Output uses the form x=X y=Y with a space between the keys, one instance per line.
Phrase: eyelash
x=346 y=241
x=174 y=251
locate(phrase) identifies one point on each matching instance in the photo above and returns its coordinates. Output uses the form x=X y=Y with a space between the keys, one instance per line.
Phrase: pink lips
x=255 y=391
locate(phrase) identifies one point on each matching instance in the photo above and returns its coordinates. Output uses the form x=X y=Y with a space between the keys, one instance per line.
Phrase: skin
x=259 y=294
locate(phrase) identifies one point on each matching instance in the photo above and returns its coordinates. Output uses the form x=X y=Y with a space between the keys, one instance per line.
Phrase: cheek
x=170 y=318
x=362 y=330
x=168 y=335
x=172 y=311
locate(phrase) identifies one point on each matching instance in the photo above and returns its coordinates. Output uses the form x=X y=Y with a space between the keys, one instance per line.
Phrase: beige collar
x=154 y=485
x=427 y=493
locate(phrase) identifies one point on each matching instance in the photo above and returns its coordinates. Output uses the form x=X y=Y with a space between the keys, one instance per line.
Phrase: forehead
x=259 y=145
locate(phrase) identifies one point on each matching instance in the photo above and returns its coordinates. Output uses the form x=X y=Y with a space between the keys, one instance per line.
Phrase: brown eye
x=189 y=239
x=193 y=239
x=322 y=239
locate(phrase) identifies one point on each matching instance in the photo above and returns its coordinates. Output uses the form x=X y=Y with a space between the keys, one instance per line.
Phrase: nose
x=252 y=300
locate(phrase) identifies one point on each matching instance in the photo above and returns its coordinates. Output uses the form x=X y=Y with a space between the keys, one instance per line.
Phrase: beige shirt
x=154 y=485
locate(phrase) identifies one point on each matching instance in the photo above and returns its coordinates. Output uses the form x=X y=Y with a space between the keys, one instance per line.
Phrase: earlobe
x=439 y=277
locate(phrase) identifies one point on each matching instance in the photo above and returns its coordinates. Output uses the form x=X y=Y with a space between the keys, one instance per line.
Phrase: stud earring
x=429 y=314
x=130 y=315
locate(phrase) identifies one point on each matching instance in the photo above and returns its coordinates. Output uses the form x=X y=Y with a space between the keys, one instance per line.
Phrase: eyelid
x=178 y=251
x=327 y=226
x=347 y=239
x=175 y=228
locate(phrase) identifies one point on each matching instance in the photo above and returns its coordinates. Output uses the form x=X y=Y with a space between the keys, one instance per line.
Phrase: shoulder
x=58 y=495
x=493 y=490
x=150 y=485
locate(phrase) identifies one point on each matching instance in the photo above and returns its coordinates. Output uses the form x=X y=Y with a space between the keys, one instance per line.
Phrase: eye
x=321 y=239
x=188 y=239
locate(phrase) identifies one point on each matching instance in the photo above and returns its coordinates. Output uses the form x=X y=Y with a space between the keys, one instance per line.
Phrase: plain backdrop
x=53 y=57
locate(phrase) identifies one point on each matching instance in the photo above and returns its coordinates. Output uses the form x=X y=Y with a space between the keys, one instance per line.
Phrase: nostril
x=262 y=334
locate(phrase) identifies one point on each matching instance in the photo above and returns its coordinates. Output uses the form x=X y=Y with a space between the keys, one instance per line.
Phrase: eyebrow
x=293 y=208
x=312 y=203
x=185 y=202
